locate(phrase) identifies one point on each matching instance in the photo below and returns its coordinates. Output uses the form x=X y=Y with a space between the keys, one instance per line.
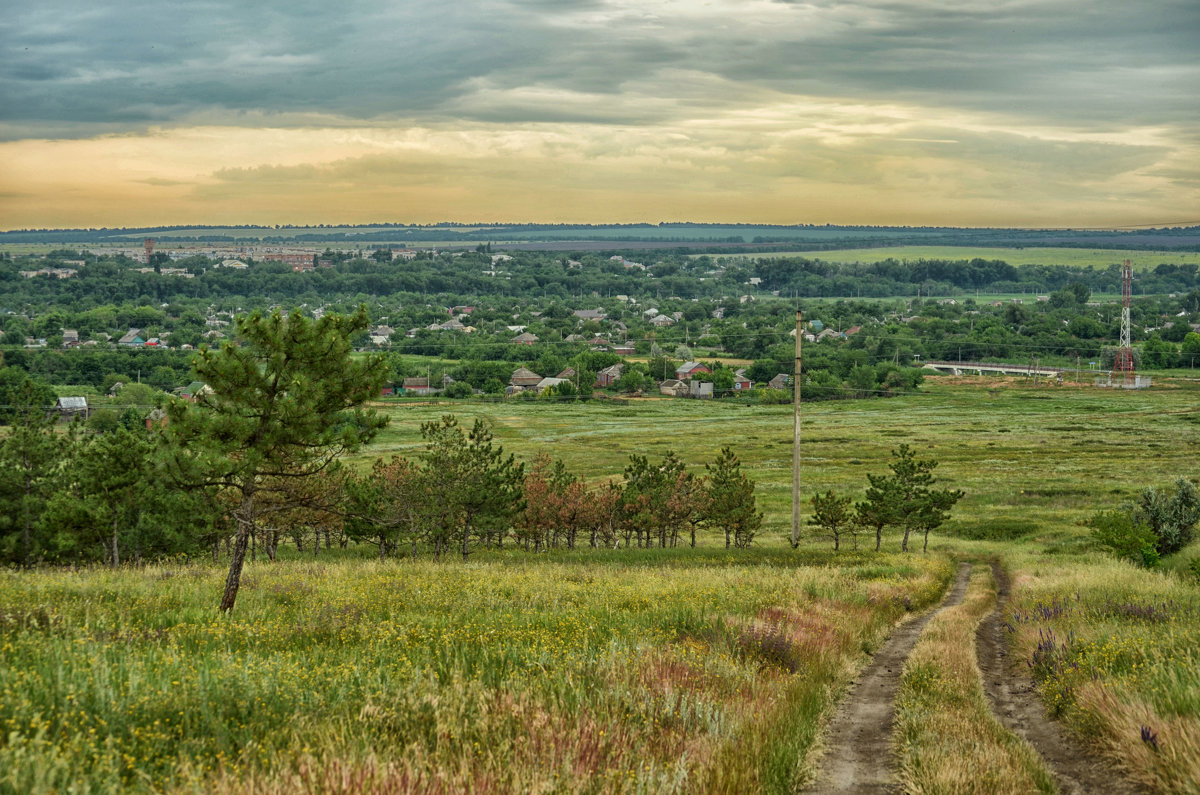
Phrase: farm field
x=701 y=670
x=1074 y=257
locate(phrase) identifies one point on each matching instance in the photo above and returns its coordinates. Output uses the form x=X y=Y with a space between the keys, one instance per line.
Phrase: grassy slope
x=604 y=672
x=392 y=672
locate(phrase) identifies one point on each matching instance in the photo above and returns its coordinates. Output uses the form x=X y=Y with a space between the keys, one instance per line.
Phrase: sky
x=1027 y=113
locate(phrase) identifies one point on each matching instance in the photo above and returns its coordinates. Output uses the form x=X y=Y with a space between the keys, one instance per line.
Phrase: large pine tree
x=282 y=405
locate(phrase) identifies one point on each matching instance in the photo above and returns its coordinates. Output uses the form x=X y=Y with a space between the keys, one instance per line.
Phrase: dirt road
x=1016 y=704
x=859 y=757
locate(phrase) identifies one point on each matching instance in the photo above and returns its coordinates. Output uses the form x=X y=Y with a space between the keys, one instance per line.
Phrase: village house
x=525 y=338
x=673 y=387
x=132 y=338
x=416 y=385
x=609 y=376
x=193 y=390
x=157 y=418
x=685 y=371
x=524 y=377
x=780 y=381
x=70 y=407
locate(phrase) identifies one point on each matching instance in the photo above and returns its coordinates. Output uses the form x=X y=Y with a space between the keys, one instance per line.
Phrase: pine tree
x=731 y=502
x=282 y=405
x=31 y=461
x=477 y=488
x=833 y=514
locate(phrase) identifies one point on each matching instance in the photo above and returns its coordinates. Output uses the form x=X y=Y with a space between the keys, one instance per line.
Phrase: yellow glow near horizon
x=779 y=162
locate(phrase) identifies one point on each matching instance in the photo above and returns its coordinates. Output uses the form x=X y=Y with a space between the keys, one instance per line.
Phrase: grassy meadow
x=610 y=673
x=1074 y=257
x=699 y=670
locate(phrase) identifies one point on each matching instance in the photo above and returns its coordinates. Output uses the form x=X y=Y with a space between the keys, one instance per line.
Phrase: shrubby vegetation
x=1157 y=524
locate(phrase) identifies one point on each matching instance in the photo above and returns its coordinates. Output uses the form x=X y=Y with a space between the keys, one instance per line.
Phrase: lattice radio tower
x=1123 y=364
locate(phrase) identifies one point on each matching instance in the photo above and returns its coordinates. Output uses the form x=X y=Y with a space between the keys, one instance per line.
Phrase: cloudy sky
x=965 y=112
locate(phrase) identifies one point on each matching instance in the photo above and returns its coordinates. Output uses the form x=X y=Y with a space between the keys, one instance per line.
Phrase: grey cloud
x=128 y=64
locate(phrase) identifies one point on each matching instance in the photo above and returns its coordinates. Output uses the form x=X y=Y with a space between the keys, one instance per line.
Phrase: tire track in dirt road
x=1015 y=702
x=859 y=758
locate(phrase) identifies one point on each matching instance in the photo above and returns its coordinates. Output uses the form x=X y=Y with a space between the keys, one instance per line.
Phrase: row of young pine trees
x=463 y=491
x=257 y=458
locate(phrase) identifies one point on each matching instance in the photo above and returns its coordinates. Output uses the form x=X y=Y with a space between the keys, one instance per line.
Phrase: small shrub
x=1117 y=532
x=1194 y=567
x=997 y=530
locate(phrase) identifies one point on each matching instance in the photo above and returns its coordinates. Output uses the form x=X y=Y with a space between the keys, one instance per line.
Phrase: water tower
x=149 y=249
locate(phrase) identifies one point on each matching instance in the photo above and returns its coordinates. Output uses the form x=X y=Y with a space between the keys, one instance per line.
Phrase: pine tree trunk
x=245 y=519
x=904 y=543
x=27 y=530
x=116 y=555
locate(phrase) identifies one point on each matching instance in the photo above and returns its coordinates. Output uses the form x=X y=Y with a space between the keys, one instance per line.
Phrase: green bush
x=997 y=529
x=1117 y=532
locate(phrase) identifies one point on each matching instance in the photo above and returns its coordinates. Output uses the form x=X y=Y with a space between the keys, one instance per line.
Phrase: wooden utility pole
x=796 y=440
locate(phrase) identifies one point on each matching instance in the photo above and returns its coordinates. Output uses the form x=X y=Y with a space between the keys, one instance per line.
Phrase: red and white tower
x=1123 y=364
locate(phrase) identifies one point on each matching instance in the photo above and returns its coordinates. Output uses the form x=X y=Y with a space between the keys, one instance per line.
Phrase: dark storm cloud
x=75 y=66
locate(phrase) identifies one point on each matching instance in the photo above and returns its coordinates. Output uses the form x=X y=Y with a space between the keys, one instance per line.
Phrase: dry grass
x=948 y=739
x=1113 y=650
x=1168 y=762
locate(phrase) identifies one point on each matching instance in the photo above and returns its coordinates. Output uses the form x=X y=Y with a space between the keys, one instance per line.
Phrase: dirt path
x=1016 y=704
x=859 y=757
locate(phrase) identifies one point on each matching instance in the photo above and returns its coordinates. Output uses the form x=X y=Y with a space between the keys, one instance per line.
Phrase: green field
x=1073 y=257
x=998 y=442
x=701 y=670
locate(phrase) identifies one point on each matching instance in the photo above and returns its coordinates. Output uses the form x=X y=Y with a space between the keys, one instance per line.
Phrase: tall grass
x=1114 y=651
x=512 y=673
